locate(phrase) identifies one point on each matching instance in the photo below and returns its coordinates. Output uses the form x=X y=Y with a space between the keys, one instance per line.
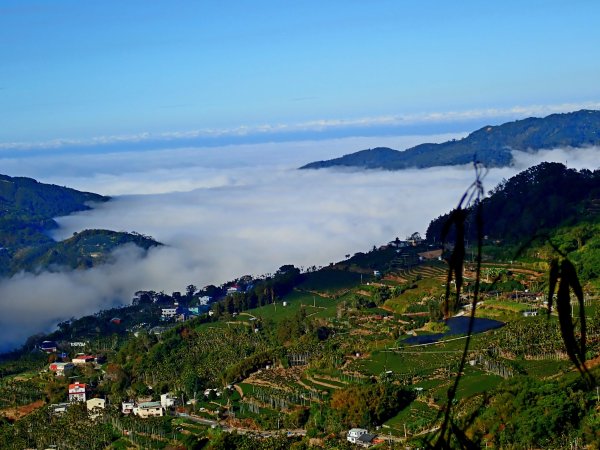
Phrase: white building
x=77 y=392
x=167 y=400
x=354 y=434
x=203 y=301
x=149 y=409
x=127 y=407
x=82 y=359
x=58 y=408
x=168 y=313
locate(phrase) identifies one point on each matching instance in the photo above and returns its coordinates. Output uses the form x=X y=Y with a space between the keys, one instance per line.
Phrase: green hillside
x=28 y=210
x=297 y=358
x=544 y=208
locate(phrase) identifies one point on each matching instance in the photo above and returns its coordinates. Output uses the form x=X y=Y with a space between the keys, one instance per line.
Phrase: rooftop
x=147 y=405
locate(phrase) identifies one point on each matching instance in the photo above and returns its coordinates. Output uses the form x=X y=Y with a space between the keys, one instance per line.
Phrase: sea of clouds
x=224 y=212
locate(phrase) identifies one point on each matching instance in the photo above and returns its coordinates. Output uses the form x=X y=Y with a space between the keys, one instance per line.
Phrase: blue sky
x=102 y=71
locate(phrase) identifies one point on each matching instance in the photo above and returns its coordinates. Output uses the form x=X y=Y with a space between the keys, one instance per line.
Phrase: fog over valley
x=229 y=211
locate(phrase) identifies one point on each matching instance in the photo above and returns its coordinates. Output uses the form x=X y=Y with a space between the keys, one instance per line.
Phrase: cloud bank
x=227 y=212
x=326 y=127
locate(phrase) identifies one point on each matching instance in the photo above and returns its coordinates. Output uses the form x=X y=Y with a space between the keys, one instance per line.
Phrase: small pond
x=457 y=326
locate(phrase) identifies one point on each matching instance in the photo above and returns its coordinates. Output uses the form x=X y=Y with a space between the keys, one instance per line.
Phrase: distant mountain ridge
x=27 y=211
x=491 y=145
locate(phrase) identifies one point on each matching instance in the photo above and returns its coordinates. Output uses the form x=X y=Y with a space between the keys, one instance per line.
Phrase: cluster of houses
x=65 y=368
x=145 y=408
x=180 y=313
x=362 y=437
x=411 y=241
x=78 y=392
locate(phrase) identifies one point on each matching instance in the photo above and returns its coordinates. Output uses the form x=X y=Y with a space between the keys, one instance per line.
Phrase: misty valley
x=223 y=318
x=299 y=225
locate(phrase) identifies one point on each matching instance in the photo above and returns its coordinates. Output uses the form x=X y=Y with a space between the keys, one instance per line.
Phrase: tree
x=416 y=237
x=190 y=290
x=368 y=405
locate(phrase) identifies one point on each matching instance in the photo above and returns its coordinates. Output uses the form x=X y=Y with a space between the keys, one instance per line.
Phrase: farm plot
x=413 y=419
x=314 y=304
x=330 y=281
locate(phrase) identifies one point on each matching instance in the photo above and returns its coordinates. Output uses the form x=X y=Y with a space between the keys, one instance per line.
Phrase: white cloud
x=223 y=213
x=574 y=158
x=184 y=169
x=318 y=125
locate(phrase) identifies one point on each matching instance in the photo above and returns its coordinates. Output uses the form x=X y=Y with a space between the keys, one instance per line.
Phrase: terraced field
x=435 y=270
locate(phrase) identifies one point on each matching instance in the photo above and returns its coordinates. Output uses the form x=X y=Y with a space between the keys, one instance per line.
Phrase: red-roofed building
x=77 y=392
x=61 y=368
x=234 y=289
x=48 y=346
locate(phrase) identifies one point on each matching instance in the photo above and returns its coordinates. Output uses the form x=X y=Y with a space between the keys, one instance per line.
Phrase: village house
x=354 y=434
x=398 y=243
x=127 y=407
x=204 y=300
x=167 y=400
x=77 y=392
x=366 y=440
x=95 y=406
x=234 y=289
x=61 y=369
x=57 y=409
x=149 y=409
x=48 y=346
x=168 y=313
x=82 y=359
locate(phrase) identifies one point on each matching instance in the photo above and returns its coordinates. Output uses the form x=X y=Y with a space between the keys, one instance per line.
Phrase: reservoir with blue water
x=457 y=326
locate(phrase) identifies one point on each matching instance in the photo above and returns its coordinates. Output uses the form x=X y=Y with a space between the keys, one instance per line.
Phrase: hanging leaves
x=456 y=261
x=472 y=197
x=569 y=281
x=563 y=281
x=554 y=274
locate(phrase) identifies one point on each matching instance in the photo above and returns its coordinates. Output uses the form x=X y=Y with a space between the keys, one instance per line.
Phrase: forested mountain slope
x=492 y=145
x=27 y=209
x=542 y=212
